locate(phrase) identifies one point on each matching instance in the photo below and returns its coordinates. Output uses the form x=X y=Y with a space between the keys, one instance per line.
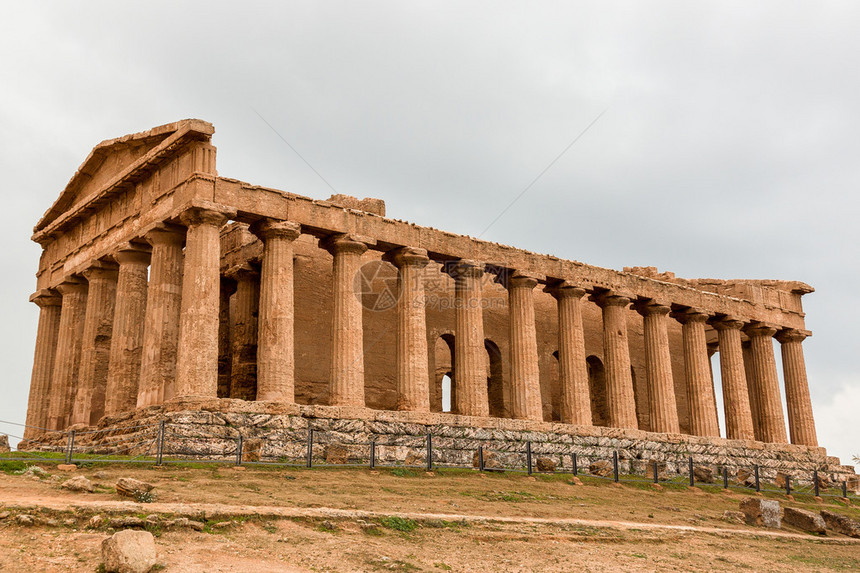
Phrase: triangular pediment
x=111 y=159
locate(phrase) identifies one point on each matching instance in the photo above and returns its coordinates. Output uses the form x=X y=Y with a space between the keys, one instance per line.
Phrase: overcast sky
x=728 y=148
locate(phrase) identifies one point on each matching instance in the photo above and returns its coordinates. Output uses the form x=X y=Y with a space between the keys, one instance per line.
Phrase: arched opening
x=444 y=360
x=495 y=382
x=597 y=386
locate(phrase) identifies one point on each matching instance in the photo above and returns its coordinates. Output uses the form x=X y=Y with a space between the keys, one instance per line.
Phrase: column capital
x=650 y=307
x=133 y=253
x=165 y=233
x=206 y=213
x=727 y=323
x=564 y=289
x=690 y=315
x=46 y=297
x=344 y=243
x=760 y=329
x=792 y=335
x=407 y=257
x=464 y=268
x=609 y=298
x=71 y=285
x=266 y=229
x=101 y=270
x=245 y=271
x=519 y=279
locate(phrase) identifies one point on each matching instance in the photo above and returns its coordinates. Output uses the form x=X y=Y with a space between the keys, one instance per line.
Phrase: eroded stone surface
x=762 y=512
x=129 y=552
x=804 y=519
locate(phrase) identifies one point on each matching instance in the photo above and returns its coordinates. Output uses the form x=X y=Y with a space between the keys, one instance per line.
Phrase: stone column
x=769 y=399
x=739 y=424
x=526 y=401
x=470 y=354
x=276 y=338
x=49 y=303
x=658 y=368
x=754 y=389
x=126 y=347
x=801 y=424
x=413 y=392
x=89 y=403
x=572 y=367
x=620 y=399
x=225 y=353
x=161 y=327
x=244 y=313
x=347 y=362
x=68 y=356
x=197 y=357
x=698 y=374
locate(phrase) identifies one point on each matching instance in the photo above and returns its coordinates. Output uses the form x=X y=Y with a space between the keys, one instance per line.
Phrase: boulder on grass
x=841 y=524
x=601 y=469
x=761 y=512
x=745 y=478
x=545 y=464
x=129 y=552
x=131 y=487
x=803 y=519
x=78 y=483
x=491 y=461
x=703 y=474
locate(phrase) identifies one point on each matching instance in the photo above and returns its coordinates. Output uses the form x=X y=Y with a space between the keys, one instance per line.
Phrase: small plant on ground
x=402 y=524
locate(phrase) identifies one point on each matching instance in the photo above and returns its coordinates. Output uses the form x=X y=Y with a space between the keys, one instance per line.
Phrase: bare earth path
x=357 y=520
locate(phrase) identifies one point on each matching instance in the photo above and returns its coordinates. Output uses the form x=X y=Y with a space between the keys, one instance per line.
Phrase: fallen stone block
x=839 y=524
x=491 y=461
x=737 y=517
x=66 y=467
x=761 y=512
x=703 y=474
x=127 y=521
x=129 y=552
x=78 y=483
x=601 y=469
x=545 y=464
x=130 y=487
x=803 y=519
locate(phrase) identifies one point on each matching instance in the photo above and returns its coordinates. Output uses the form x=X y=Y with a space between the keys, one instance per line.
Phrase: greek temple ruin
x=164 y=285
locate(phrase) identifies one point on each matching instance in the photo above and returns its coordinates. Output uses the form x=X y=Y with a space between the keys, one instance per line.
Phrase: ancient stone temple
x=164 y=285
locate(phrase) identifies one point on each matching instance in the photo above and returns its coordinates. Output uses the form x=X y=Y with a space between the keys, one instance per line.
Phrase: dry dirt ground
x=406 y=520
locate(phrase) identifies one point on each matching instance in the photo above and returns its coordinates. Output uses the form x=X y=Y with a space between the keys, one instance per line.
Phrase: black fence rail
x=175 y=442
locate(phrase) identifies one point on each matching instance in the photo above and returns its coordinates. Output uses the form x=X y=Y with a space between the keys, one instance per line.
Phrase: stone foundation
x=274 y=432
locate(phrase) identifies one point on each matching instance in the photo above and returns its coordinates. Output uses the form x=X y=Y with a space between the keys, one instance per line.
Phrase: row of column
x=144 y=342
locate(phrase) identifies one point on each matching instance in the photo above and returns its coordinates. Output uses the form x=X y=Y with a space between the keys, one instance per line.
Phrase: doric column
x=49 y=303
x=126 y=346
x=769 y=399
x=161 y=328
x=347 y=362
x=619 y=381
x=739 y=424
x=572 y=368
x=526 y=401
x=698 y=373
x=197 y=356
x=225 y=353
x=413 y=392
x=68 y=356
x=276 y=339
x=658 y=367
x=89 y=403
x=801 y=424
x=470 y=362
x=753 y=388
x=244 y=314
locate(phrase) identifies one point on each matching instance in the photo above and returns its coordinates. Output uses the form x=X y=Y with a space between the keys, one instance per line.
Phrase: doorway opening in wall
x=446 y=393
x=597 y=386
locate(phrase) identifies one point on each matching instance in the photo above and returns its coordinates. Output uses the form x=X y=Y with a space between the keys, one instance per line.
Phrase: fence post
x=725 y=477
x=310 y=460
x=815 y=481
x=692 y=477
x=160 y=448
x=575 y=469
x=656 y=473
x=757 y=480
x=239 y=450
x=372 y=454
x=787 y=485
x=71 y=446
x=529 y=456
x=429 y=452
x=615 y=465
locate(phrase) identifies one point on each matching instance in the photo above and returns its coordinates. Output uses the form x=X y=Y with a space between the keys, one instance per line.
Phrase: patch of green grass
x=442 y=566
x=13 y=466
x=402 y=524
x=403 y=472
x=269 y=527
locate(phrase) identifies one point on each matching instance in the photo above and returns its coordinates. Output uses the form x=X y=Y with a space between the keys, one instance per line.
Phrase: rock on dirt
x=415 y=458
x=545 y=464
x=803 y=519
x=131 y=487
x=78 y=483
x=4 y=444
x=129 y=552
x=491 y=460
x=745 y=478
x=703 y=474
x=24 y=519
x=734 y=517
x=127 y=521
x=836 y=522
x=761 y=512
x=600 y=469
x=66 y=467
